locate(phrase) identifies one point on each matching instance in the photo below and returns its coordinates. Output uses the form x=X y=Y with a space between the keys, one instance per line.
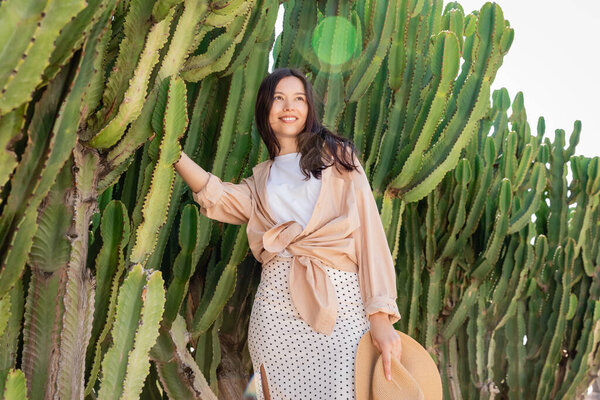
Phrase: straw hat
x=415 y=377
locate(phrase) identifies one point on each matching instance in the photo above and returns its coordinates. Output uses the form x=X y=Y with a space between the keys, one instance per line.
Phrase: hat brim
x=415 y=373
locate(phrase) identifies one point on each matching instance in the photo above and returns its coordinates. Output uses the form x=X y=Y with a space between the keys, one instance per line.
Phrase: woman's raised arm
x=194 y=175
x=223 y=201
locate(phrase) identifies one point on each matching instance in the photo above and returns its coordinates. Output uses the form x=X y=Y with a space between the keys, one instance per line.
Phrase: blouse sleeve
x=225 y=201
x=376 y=272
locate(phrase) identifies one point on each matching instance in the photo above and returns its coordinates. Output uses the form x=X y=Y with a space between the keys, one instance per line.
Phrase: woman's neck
x=287 y=150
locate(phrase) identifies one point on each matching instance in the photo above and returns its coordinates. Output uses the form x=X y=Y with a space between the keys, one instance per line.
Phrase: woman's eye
x=279 y=97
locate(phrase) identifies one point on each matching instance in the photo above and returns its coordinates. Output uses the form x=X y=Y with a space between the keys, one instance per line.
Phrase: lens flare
x=335 y=40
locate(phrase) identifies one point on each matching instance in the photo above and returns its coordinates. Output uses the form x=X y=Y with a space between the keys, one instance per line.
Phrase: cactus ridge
x=153 y=213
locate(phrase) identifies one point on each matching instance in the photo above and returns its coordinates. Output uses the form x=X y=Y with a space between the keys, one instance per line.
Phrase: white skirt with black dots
x=299 y=362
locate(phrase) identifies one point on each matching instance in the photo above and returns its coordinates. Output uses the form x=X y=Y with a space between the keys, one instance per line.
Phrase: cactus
x=126 y=290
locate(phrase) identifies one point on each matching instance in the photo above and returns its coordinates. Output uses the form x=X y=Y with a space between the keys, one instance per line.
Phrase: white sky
x=553 y=60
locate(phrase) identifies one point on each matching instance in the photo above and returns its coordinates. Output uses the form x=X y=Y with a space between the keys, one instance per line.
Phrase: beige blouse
x=344 y=232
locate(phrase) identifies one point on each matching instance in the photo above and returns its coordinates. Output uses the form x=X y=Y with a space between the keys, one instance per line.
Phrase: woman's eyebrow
x=294 y=93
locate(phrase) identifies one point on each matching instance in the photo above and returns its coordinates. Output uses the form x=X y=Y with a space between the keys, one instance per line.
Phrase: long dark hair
x=315 y=142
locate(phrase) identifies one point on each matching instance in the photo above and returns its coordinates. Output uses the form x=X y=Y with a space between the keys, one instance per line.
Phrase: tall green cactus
x=113 y=285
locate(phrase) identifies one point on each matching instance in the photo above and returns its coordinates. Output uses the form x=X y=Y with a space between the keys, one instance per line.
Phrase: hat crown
x=414 y=377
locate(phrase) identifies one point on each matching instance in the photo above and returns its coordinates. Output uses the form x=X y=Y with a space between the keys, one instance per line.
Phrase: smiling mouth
x=289 y=120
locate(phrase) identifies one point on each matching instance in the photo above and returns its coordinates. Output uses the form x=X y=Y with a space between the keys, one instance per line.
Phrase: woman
x=327 y=272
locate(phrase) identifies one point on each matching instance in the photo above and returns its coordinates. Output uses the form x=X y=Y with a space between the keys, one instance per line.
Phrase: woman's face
x=289 y=100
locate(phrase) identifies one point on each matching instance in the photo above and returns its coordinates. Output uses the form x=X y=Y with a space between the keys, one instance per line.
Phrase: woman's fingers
x=391 y=349
x=388 y=345
x=398 y=347
x=387 y=364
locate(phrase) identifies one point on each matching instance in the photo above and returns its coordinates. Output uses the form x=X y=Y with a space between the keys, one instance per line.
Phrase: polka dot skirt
x=301 y=363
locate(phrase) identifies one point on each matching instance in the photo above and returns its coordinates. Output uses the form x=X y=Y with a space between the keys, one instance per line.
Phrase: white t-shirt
x=289 y=195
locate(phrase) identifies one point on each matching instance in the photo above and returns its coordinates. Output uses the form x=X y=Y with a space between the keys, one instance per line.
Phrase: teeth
x=289 y=119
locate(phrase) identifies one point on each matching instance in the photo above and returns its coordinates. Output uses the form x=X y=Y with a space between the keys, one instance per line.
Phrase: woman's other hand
x=386 y=340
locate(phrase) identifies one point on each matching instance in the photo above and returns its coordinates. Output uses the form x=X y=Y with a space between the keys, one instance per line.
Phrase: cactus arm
x=417 y=267
x=220 y=50
x=10 y=337
x=588 y=342
x=48 y=260
x=433 y=171
x=531 y=203
x=15 y=386
x=173 y=383
x=75 y=335
x=183 y=38
x=517 y=296
x=259 y=33
x=558 y=208
x=334 y=107
x=70 y=39
x=461 y=311
x=14 y=260
x=196 y=382
x=445 y=68
x=380 y=99
x=370 y=60
x=135 y=28
x=109 y=263
x=185 y=263
x=129 y=305
x=4 y=312
x=133 y=99
x=108 y=179
x=80 y=286
x=227 y=133
x=27 y=74
x=114 y=289
x=138 y=364
x=137 y=134
x=481 y=348
x=18 y=25
x=508 y=270
x=161 y=8
x=10 y=130
x=24 y=176
x=457 y=215
x=224 y=16
x=524 y=165
x=397 y=58
x=155 y=204
x=41 y=332
x=566 y=260
x=205 y=316
x=240 y=246
x=476 y=209
x=434 y=303
x=515 y=328
x=492 y=251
